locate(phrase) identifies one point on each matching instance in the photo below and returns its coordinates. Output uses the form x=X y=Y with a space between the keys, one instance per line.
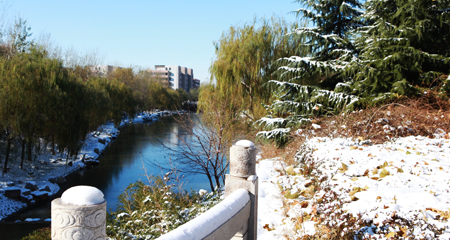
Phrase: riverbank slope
x=39 y=179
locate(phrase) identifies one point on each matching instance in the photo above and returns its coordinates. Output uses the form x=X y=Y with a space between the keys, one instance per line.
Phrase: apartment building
x=161 y=75
x=177 y=76
x=196 y=83
x=102 y=70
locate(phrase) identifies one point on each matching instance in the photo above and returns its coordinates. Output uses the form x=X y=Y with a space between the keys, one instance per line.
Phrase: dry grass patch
x=425 y=116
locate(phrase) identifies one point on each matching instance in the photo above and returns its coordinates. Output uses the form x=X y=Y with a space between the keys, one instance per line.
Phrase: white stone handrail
x=236 y=216
x=220 y=222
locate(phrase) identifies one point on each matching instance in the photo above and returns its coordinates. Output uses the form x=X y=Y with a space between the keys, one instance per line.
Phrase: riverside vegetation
x=360 y=61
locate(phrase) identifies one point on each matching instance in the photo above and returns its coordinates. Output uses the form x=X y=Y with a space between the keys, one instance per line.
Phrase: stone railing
x=233 y=218
x=80 y=213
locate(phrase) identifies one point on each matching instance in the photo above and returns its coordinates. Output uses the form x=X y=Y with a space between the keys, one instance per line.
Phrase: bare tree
x=17 y=38
x=71 y=56
x=199 y=150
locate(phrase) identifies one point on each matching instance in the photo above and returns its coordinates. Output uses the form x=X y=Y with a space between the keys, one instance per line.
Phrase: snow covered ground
x=48 y=166
x=398 y=189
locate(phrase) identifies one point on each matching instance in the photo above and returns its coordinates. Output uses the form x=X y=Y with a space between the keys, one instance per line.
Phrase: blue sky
x=145 y=33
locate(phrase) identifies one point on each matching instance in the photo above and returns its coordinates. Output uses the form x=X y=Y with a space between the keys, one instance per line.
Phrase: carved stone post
x=76 y=222
x=243 y=175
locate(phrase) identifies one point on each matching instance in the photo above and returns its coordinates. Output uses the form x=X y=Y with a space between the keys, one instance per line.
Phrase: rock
x=102 y=141
x=70 y=164
x=25 y=192
x=91 y=163
x=39 y=195
x=26 y=199
x=58 y=180
x=12 y=192
x=96 y=150
x=46 y=188
x=31 y=185
x=10 y=184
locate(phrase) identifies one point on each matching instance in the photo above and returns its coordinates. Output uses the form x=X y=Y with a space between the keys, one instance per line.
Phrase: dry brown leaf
x=304 y=204
x=366 y=173
x=390 y=235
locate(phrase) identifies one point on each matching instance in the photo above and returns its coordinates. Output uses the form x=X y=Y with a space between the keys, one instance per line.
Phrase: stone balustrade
x=233 y=218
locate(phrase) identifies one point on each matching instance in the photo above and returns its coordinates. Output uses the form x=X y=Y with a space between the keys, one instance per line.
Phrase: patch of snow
x=245 y=143
x=201 y=226
x=82 y=196
x=252 y=178
x=202 y=192
x=32 y=220
x=415 y=188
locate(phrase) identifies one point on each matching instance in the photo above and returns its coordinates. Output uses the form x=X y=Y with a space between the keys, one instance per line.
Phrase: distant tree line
x=43 y=99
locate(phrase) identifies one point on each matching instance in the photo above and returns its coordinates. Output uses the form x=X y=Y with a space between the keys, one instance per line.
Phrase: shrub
x=40 y=234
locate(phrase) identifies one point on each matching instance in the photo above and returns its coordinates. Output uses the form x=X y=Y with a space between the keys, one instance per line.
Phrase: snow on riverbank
x=49 y=169
x=399 y=188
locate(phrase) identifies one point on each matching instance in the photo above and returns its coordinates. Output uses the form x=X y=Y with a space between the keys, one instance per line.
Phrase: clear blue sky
x=145 y=33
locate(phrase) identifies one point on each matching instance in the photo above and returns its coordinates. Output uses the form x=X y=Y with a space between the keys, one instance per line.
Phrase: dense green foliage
x=148 y=211
x=41 y=100
x=404 y=46
x=357 y=58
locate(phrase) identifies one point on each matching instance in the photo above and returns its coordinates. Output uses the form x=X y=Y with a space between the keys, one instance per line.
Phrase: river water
x=135 y=153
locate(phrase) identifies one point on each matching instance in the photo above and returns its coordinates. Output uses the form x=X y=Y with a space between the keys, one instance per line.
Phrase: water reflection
x=125 y=161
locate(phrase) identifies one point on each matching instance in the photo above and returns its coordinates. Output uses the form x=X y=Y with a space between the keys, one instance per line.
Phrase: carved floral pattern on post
x=74 y=222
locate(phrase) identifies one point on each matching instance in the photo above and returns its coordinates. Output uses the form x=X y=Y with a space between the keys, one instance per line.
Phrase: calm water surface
x=136 y=152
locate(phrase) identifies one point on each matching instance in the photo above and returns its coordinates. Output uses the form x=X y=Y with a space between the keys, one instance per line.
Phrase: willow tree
x=32 y=93
x=245 y=60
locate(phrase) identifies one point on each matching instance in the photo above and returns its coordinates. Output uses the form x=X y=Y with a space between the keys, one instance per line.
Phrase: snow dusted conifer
x=305 y=83
x=405 y=46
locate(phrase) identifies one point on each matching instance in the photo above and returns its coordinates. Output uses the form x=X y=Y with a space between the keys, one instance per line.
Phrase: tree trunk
x=23 y=153
x=210 y=180
x=29 y=151
x=8 y=147
x=217 y=181
x=53 y=144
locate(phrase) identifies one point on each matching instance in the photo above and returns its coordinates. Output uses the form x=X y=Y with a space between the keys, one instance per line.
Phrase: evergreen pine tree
x=405 y=47
x=305 y=83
